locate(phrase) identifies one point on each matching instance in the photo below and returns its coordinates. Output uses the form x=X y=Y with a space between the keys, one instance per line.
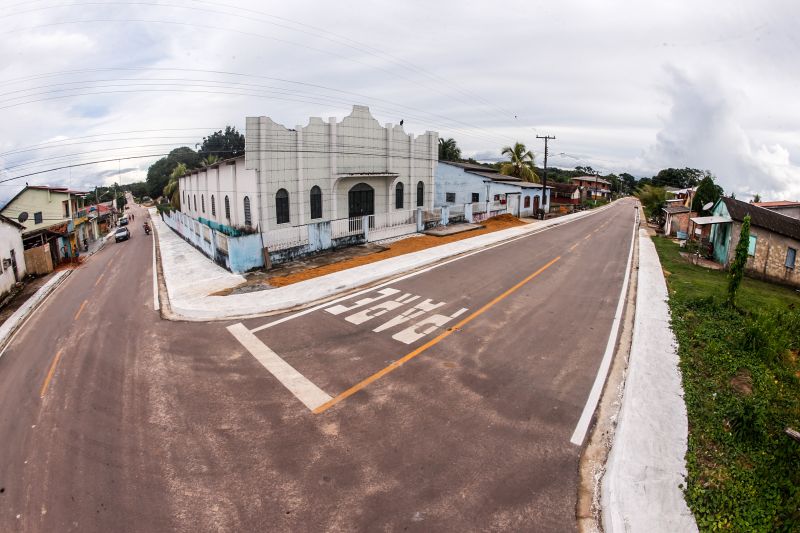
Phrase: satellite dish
x=708 y=206
x=22 y=217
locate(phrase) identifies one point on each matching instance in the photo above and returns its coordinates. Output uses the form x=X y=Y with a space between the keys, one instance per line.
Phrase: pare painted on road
x=379 y=304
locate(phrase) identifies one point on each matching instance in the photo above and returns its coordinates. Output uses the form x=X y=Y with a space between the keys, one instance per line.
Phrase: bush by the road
x=741 y=378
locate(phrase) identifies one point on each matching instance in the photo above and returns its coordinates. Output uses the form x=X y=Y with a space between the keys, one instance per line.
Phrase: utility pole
x=544 y=178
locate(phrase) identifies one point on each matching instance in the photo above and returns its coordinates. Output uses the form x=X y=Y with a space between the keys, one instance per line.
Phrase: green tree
x=223 y=144
x=680 y=178
x=210 y=160
x=172 y=188
x=707 y=192
x=756 y=199
x=449 y=150
x=739 y=261
x=159 y=172
x=121 y=201
x=521 y=164
x=653 y=201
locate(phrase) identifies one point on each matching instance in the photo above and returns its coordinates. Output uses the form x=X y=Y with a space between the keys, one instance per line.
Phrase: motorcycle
x=146 y=229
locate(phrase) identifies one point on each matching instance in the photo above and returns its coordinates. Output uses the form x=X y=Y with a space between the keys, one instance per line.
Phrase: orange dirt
x=405 y=246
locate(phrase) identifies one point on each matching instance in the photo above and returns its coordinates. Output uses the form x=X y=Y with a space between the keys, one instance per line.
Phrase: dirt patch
x=21 y=295
x=742 y=382
x=402 y=247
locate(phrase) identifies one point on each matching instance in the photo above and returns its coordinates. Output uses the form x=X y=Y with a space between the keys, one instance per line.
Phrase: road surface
x=115 y=420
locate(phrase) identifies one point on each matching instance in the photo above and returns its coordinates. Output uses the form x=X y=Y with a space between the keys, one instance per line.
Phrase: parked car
x=123 y=221
x=122 y=234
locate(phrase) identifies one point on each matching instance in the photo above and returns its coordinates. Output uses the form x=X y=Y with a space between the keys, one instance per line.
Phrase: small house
x=12 y=254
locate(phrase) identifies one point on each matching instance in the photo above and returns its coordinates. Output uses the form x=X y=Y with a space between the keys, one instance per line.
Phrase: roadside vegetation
x=741 y=377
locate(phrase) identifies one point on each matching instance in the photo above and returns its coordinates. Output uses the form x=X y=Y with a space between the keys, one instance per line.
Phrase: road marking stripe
x=400 y=362
x=305 y=391
x=50 y=374
x=81 y=309
x=96 y=283
x=156 y=304
x=599 y=381
x=426 y=269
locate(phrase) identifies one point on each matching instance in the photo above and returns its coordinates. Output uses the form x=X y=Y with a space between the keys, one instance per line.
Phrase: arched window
x=398 y=195
x=203 y=203
x=213 y=207
x=316 y=202
x=527 y=201
x=248 y=221
x=282 y=206
x=195 y=202
x=227 y=208
x=420 y=194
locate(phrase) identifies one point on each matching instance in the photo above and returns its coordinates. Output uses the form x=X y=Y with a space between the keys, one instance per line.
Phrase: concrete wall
x=237 y=254
x=793 y=211
x=31 y=201
x=10 y=240
x=39 y=260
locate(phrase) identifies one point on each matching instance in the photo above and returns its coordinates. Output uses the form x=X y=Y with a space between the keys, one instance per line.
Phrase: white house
x=466 y=183
x=12 y=254
x=306 y=187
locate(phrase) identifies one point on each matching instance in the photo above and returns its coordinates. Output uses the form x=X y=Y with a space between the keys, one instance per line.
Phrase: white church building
x=308 y=188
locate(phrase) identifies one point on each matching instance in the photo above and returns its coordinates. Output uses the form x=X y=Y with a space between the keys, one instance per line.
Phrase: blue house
x=468 y=183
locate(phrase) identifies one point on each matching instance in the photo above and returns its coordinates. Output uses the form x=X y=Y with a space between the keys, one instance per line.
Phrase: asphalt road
x=115 y=420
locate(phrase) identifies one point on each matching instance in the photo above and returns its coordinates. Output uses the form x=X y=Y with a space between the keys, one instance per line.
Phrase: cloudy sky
x=624 y=86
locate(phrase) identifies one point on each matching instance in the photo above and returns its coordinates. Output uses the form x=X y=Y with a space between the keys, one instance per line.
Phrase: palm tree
x=449 y=150
x=210 y=160
x=521 y=164
x=171 y=189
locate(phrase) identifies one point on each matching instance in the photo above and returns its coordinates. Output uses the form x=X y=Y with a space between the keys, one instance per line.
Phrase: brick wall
x=770 y=258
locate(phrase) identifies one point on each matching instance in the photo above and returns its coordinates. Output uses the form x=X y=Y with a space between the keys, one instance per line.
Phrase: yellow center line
x=573 y=246
x=50 y=374
x=433 y=342
x=96 y=283
x=81 y=309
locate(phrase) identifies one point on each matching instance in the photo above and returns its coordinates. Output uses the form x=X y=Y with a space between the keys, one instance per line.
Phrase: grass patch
x=741 y=378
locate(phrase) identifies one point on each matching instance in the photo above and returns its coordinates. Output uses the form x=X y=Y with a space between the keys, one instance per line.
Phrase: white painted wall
x=453 y=179
x=10 y=239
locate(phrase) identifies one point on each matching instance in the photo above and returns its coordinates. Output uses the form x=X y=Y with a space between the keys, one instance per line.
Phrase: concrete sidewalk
x=646 y=465
x=190 y=277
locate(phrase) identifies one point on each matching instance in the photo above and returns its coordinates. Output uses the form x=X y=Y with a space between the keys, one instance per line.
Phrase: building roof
x=591 y=178
x=778 y=203
x=674 y=209
x=564 y=187
x=763 y=218
x=471 y=166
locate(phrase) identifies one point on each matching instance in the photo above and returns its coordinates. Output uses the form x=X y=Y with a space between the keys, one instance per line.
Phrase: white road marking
x=422 y=271
x=594 y=395
x=381 y=309
x=339 y=309
x=305 y=391
x=156 y=304
x=414 y=333
x=418 y=310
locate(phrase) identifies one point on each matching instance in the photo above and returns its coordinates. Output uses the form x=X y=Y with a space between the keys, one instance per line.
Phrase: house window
x=496 y=197
x=791 y=255
x=476 y=197
x=227 y=208
x=450 y=197
x=527 y=201
x=248 y=221
x=420 y=194
x=213 y=207
x=37 y=217
x=195 y=202
x=316 y=202
x=398 y=196
x=203 y=203
x=751 y=246
x=65 y=208
x=282 y=206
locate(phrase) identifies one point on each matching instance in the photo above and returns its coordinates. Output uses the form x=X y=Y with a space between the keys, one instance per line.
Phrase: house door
x=14 y=265
x=535 y=205
x=513 y=204
x=361 y=201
